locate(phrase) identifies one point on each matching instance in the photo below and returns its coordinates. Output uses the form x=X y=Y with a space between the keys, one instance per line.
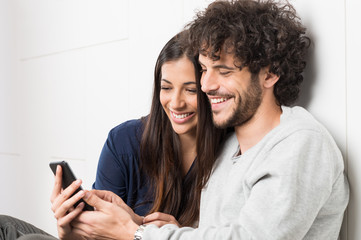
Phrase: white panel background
x=71 y=70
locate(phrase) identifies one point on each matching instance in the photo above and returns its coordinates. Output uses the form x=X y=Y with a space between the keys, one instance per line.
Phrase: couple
x=278 y=175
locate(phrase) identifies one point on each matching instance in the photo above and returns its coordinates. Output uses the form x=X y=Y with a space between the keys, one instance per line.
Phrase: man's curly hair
x=260 y=34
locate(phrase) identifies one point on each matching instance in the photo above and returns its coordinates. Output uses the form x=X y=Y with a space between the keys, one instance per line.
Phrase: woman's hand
x=62 y=205
x=160 y=219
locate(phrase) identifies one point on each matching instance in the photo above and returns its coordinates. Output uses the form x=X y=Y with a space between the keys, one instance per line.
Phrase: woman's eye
x=165 y=88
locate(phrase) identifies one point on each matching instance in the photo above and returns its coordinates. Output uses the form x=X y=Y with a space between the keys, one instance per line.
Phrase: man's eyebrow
x=223 y=66
x=219 y=66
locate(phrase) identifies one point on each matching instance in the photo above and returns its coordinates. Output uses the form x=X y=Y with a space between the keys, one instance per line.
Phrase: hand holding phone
x=67 y=178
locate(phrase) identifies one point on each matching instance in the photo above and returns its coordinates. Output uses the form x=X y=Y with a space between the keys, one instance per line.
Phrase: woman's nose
x=177 y=100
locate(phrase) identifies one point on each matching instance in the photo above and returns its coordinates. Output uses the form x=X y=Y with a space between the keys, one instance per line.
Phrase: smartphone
x=67 y=179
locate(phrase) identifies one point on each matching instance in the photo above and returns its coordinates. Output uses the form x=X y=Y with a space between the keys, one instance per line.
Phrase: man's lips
x=219 y=103
x=216 y=100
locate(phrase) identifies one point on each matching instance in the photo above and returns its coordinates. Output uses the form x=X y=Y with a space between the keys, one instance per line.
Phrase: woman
x=151 y=163
x=159 y=164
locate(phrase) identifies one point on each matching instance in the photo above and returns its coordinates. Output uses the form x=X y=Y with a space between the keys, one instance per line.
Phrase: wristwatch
x=138 y=235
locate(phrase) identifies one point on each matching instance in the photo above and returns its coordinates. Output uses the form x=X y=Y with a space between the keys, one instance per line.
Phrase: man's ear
x=270 y=79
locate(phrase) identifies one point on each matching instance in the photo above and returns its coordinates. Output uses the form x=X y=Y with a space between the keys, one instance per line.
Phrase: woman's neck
x=189 y=151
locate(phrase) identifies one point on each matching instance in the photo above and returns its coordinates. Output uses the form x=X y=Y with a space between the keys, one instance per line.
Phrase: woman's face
x=178 y=95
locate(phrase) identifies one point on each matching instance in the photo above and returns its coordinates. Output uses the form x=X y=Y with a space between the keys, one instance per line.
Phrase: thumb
x=93 y=200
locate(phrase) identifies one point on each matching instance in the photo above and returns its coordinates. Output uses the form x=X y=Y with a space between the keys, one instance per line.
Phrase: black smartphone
x=67 y=178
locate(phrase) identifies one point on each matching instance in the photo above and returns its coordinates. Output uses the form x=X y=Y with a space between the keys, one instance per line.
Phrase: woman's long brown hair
x=160 y=150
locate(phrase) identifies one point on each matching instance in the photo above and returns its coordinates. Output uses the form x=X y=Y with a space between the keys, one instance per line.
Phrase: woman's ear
x=270 y=79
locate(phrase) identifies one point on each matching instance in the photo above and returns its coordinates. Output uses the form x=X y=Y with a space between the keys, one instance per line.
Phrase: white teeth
x=218 y=100
x=180 y=116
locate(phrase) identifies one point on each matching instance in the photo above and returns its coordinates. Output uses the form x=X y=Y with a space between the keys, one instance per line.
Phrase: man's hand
x=113 y=198
x=110 y=220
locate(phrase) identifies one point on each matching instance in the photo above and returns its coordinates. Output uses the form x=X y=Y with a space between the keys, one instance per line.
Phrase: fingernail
x=78 y=182
x=86 y=195
x=81 y=193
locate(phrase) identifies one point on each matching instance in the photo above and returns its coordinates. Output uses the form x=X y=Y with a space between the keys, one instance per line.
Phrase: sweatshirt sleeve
x=299 y=179
x=118 y=167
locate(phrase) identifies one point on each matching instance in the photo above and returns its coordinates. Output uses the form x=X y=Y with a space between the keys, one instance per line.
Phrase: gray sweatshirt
x=290 y=185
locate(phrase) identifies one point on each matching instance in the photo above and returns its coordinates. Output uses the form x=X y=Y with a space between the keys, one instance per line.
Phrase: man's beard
x=246 y=108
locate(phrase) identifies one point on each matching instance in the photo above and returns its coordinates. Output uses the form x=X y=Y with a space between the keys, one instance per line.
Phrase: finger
x=93 y=200
x=64 y=221
x=159 y=216
x=65 y=194
x=67 y=206
x=109 y=197
x=103 y=194
x=159 y=223
x=57 y=183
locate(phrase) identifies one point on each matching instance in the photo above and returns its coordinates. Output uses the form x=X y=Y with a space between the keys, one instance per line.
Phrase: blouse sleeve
x=118 y=169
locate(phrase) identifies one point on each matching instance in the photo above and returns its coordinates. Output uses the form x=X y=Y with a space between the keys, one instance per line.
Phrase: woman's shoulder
x=128 y=127
x=127 y=135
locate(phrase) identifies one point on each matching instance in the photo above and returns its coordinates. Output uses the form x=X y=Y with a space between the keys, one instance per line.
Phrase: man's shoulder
x=299 y=119
x=299 y=126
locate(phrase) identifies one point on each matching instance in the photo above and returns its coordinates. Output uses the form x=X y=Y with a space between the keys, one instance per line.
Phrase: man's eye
x=192 y=90
x=225 y=73
x=203 y=70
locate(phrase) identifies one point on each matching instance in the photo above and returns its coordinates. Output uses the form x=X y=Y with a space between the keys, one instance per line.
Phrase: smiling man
x=280 y=175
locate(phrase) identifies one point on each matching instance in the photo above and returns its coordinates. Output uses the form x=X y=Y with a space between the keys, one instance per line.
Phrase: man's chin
x=220 y=122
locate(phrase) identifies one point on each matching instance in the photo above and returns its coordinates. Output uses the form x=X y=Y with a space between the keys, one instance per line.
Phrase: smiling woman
x=178 y=130
x=157 y=164
x=178 y=96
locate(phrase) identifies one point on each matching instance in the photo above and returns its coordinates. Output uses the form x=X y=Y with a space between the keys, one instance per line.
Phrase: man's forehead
x=222 y=58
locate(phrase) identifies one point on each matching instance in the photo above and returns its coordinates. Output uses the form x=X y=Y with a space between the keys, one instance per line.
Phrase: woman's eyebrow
x=189 y=83
x=165 y=80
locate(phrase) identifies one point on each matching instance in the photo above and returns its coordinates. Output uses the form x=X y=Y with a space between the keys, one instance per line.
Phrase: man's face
x=234 y=94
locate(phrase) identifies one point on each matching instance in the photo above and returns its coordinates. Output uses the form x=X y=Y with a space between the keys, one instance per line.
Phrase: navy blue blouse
x=118 y=167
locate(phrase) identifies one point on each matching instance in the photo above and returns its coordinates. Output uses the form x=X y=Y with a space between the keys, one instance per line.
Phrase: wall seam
x=72 y=50
x=346 y=105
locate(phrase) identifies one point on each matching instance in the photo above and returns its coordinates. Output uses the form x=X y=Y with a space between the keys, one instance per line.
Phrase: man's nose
x=209 y=82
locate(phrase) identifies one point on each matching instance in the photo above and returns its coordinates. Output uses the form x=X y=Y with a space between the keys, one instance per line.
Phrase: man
x=280 y=175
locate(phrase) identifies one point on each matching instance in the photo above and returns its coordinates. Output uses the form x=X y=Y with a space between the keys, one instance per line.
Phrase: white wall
x=70 y=70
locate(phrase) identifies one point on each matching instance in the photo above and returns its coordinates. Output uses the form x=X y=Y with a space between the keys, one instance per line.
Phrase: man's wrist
x=138 y=235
